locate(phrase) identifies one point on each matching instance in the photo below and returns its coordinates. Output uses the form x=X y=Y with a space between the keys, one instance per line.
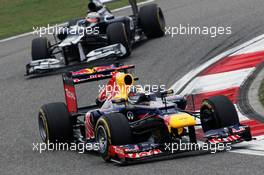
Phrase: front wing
x=148 y=151
x=53 y=64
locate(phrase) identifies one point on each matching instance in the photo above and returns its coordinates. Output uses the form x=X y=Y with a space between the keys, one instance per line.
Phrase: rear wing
x=70 y=79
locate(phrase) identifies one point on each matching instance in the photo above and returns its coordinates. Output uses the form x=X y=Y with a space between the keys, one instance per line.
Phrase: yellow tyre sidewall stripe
x=44 y=119
x=105 y=124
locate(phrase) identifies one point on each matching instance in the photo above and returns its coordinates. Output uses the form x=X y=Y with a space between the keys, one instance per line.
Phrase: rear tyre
x=152 y=21
x=112 y=129
x=218 y=112
x=116 y=33
x=40 y=48
x=55 y=123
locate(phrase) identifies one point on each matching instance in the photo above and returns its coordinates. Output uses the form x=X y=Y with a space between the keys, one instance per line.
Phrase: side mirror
x=109 y=17
x=165 y=93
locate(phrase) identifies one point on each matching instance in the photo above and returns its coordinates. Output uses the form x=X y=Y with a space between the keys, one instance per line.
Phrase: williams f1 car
x=100 y=35
x=132 y=124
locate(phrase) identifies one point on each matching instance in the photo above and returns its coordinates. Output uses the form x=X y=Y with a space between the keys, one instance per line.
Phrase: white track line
x=30 y=33
x=180 y=84
x=191 y=84
x=259 y=46
x=216 y=82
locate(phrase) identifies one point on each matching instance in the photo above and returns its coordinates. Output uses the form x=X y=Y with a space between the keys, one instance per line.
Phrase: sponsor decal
x=143 y=154
x=119 y=150
x=130 y=115
x=69 y=94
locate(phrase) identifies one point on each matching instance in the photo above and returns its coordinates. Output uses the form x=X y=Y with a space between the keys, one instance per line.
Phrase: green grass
x=19 y=16
x=261 y=93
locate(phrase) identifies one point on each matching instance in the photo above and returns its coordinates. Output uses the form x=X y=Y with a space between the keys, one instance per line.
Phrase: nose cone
x=181 y=120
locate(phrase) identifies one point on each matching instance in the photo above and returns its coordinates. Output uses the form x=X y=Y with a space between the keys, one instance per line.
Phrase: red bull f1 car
x=100 y=35
x=129 y=123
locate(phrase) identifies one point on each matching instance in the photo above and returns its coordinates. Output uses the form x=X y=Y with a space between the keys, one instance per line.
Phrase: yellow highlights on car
x=181 y=120
x=89 y=71
x=180 y=131
x=45 y=125
x=124 y=79
x=124 y=82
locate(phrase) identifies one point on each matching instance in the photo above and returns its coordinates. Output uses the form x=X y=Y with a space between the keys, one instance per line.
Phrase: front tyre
x=40 y=48
x=55 y=123
x=111 y=129
x=117 y=34
x=218 y=112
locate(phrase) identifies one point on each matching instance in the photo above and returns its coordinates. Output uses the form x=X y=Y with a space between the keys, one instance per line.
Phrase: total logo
x=130 y=115
x=70 y=94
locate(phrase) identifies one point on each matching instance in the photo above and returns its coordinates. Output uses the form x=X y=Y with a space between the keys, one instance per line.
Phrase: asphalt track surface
x=159 y=61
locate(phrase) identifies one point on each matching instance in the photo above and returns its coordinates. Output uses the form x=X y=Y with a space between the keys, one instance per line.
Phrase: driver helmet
x=93 y=17
x=137 y=95
x=133 y=95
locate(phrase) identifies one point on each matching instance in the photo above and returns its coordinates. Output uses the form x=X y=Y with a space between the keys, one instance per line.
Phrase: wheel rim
x=207 y=119
x=207 y=115
x=42 y=128
x=102 y=139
